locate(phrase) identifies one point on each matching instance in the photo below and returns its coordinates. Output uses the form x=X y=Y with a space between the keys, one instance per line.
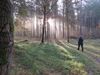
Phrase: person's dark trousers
x=80 y=45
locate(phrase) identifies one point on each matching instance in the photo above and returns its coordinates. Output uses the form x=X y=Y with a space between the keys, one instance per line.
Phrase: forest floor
x=32 y=58
x=90 y=57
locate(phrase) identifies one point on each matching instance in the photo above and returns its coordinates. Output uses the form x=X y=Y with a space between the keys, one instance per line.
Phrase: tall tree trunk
x=6 y=36
x=63 y=22
x=67 y=22
x=68 y=33
x=80 y=17
x=45 y=32
x=44 y=25
x=55 y=33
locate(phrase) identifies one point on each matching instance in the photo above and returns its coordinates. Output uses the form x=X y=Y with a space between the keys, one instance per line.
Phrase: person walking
x=80 y=43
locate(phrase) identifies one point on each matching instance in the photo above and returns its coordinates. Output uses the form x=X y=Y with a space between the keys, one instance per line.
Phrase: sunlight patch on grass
x=37 y=58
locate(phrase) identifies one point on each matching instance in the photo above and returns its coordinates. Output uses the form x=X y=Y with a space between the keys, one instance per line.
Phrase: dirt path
x=92 y=54
x=95 y=57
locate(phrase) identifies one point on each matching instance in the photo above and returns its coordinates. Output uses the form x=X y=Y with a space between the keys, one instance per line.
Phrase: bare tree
x=69 y=15
x=45 y=7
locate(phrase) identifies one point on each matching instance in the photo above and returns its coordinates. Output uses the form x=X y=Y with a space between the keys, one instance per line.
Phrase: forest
x=49 y=37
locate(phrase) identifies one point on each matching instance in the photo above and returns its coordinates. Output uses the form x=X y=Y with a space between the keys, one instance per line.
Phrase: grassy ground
x=53 y=59
x=90 y=57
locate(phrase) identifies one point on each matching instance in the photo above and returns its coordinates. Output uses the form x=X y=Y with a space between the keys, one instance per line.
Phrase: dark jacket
x=80 y=41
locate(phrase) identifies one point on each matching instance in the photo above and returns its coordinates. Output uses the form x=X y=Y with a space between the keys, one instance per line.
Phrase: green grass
x=89 y=56
x=36 y=59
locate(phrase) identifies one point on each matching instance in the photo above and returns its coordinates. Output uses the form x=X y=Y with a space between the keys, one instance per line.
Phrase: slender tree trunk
x=45 y=32
x=63 y=22
x=80 y=17
x=68 y=19
x=63 y=30
x=59 y=31
x=68 y=33
x=6 y=36
x=55 y=34
x=67 y=27
x=44 y=25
